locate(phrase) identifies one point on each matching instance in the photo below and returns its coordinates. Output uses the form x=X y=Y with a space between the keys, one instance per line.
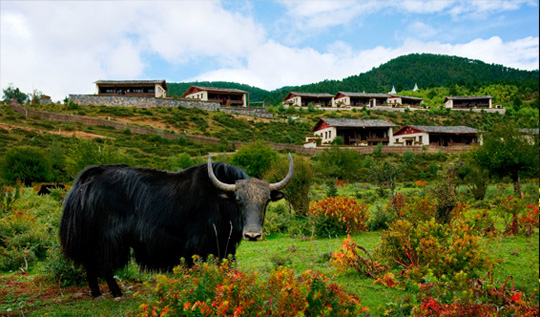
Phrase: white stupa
x=415 y=87
x=393 y=91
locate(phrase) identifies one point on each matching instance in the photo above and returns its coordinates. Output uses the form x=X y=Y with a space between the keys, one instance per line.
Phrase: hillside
x=457 y=75
x=425 y=70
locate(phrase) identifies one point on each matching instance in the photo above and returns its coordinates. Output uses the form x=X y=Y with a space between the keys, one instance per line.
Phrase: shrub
x=347 y=214
x=353 y=256
x=255 y=158
x=297 y=191
x=218 y=289
x=27 y=164
x=428 y=245
x=180 y=162
x=22 y=239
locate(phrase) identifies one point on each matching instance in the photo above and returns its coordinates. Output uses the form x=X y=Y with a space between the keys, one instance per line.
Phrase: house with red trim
x=435 y=135
x=354 y=132
x=226 y=97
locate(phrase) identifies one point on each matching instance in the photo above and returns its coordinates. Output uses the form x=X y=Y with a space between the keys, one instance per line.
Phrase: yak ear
x=276 y=195
x=226 y=196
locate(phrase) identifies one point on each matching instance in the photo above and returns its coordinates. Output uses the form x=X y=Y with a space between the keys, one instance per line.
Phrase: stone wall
x=141 y=102
x=258 y=112
x=148 y=102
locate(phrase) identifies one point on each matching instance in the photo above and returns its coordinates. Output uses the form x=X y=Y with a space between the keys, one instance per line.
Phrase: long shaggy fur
x=162 y=216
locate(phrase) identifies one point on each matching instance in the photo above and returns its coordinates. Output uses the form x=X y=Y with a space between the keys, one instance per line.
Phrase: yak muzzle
x=252 y=235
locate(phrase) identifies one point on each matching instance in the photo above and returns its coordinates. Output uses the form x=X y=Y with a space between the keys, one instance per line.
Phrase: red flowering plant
x=462 y=296
x=356 y=257
x=338 y=215
x=218 y=289
x=529 y=220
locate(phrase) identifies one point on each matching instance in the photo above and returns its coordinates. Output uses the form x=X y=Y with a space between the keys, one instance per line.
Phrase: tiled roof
x=468 y=97
x=310 y=94
x=362 y=94
x=215 y=89
x=356 y=123
x=446 y=129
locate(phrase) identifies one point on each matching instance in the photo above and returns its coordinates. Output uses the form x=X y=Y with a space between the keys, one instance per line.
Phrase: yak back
x=163 y=216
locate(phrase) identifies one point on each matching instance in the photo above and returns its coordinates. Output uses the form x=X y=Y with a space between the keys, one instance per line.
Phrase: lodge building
x=133 y=88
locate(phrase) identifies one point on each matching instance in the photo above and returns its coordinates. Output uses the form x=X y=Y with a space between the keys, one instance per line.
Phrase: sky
x=63 y=47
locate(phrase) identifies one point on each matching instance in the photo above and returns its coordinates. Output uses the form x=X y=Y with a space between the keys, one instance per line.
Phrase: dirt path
x=78 y=134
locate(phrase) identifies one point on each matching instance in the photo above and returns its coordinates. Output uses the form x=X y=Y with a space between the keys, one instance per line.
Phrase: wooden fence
x=210 y=140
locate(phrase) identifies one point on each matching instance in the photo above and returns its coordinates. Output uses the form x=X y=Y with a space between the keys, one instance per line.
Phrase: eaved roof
x=213 y=89
x=161 y=82
x=467 y=97
x=446 y=129
x=406 y=97
x=363 y=94
x=354 y=123
x=309 y=94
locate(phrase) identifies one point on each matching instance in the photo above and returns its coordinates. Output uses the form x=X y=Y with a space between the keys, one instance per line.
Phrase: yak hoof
x=100 y=297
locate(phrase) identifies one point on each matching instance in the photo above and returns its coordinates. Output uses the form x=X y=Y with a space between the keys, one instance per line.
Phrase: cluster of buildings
x=240 y=98
x=356 y=132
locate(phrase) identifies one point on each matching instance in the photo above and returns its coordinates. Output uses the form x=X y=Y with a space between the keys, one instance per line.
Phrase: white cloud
x=63 y=47
x=284 y=66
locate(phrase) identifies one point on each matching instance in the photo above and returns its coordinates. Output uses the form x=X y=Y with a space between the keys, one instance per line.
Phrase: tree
x=180 y=162
x=386 y=176
x=88 y=153
x=26 y=164
x=11 y=93
x=255 y=158
x=506 y=151
x=297 y=191
x=338 y=163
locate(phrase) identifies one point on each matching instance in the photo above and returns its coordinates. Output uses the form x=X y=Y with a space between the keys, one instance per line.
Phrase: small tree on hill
x=506 y=151
x=11 y=93
x=255 y=158
x=297 y=191
x=26 y=164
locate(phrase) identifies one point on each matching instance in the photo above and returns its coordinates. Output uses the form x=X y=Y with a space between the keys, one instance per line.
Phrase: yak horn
x=217 y=182
x=287 y=179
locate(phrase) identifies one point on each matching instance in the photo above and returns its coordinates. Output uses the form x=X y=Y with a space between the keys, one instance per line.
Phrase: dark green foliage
x=26 y=164
x=86 y=153
x=256 y=158
x=11 y=93
x=338 y=163
x=297 y=191
x=180 y=162
x=507 y=151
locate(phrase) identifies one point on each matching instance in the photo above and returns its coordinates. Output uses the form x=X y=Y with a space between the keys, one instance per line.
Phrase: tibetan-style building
x=134 y=88
x=358 y=99
x=471 y=102
x=303 y=99
x=226 y=97
x=435 y=135
x=354 y=131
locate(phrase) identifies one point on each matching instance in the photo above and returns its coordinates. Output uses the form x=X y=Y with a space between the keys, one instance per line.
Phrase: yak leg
x=92 y=278
x=113 y=286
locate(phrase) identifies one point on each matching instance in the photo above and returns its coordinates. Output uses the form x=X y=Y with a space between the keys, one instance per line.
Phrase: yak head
x=252 y=195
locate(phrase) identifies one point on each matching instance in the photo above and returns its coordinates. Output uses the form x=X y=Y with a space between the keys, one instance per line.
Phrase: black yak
x=203 y=210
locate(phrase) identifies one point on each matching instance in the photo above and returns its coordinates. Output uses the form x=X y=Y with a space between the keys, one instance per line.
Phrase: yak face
x=252 y=195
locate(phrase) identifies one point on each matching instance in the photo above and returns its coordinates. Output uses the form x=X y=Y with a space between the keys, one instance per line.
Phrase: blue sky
x=62 y=47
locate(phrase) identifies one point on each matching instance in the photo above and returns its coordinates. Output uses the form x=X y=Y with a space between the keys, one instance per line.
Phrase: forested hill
x=255 y=94
x=425 y=70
